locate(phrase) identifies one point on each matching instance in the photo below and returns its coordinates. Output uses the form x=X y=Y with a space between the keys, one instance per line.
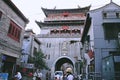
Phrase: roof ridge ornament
x=55 y=7
x=78 y=6
x=111 y=1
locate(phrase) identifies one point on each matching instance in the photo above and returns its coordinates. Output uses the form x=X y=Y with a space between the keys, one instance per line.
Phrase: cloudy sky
x=32 y=8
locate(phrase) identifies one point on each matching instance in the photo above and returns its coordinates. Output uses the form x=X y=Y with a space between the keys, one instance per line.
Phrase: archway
x=63 y=62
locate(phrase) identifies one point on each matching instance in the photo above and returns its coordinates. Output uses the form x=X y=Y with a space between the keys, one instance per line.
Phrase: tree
x=39 y=61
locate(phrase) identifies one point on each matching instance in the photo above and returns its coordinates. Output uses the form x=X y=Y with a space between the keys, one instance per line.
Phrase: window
x=65 y=14
x=111 y=31
x=0 y=15
x=111 y=14
x=48 y=45
x=104 y=15
x=14 y=31
x=34 y=51
x=75 y=31
x=118 y=15
x=54 y=31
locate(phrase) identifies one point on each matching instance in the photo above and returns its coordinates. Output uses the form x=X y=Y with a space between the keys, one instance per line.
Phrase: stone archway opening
x=63 y=63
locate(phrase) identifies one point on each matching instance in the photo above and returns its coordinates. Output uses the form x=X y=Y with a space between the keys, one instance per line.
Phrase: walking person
x=57 y=76
x=48 y=75
x=18 y=76
x=34 y=75
x=69 y=74
x=64 y=76
x=39 y=75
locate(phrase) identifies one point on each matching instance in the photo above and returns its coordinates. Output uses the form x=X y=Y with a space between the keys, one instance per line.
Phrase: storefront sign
x=29 y=66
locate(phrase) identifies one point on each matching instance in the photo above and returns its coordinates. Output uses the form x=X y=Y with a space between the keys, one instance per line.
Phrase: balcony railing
x=64 y=18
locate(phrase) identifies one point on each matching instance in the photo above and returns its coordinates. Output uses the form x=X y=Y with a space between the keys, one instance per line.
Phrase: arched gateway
x=63 y=63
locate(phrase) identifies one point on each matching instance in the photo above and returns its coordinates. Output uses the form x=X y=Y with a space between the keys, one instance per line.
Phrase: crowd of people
x=37 y=75
x=68 y=75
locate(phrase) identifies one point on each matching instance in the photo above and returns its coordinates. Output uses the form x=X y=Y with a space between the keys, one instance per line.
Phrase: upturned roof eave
x=38 y=23
x=49 y=11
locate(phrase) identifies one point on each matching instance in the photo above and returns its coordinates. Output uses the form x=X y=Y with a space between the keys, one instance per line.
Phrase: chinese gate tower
x=60 y=37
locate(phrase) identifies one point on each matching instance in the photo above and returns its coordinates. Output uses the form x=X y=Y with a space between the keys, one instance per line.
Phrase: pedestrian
x=69 y=74
x=34 y=75
x=64 y=76
x=18 y=76
x=47 y=76
x=39 y=75
x=57 y=76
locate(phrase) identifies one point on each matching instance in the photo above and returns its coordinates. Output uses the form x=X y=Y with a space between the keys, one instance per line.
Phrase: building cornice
x=42 y=24
x=16 y=10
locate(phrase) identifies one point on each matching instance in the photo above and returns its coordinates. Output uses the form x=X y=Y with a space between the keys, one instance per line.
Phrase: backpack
x=75 y=77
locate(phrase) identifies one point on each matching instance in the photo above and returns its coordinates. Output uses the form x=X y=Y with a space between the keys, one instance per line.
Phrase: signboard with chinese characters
x=29 y=65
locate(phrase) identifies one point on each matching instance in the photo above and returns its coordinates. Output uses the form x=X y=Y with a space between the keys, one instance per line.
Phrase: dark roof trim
x=29 y=30
x=16 y=10
x=75 y=10
x=111 y=23
x=42 y=24
x=38 y=23
x=36 y=39
x=86 y=28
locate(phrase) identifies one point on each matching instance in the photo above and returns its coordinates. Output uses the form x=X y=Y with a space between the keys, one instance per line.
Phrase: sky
x=32 y=8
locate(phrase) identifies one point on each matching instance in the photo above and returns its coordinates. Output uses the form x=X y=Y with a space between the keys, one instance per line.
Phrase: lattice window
x=14 y=31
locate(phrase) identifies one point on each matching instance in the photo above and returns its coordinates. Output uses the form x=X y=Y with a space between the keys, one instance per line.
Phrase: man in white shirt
x=18 y=76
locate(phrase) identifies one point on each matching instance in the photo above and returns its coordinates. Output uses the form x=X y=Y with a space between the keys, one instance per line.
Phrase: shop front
x=8 y=65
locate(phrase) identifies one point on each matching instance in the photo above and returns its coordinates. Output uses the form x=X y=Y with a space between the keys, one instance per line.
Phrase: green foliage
x=39 y=61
